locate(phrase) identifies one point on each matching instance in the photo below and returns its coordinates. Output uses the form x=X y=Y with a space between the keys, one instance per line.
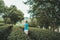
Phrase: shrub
x=34 y=34
x=33 y=23
x=37 y=34
x=18 y=34
x=4 y=32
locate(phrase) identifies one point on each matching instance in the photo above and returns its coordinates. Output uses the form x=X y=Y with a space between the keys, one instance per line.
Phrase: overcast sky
x=19 y=4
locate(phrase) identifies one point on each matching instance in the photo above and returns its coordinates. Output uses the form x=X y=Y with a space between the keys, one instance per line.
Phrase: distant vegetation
x=11 y=14
x=44 y=13
x=47 y=12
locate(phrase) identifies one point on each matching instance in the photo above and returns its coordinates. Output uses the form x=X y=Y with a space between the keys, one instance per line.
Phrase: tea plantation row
x=18 y=34
x=39 y=34
x=34 y=34
x=15 y=33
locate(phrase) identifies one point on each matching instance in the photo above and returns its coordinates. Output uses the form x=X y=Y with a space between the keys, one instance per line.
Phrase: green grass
x=1 y=21
x=3 y=27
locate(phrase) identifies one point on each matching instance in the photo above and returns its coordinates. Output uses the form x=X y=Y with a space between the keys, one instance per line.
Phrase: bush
x=18 y=34
x=33 y=23
x=37 y=34
x=4 y=32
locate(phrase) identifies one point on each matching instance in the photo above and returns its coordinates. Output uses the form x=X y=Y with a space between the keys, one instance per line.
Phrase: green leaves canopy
x=46 y=11
x=14 y=14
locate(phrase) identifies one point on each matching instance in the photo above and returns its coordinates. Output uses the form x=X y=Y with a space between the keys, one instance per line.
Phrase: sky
x=19 y=4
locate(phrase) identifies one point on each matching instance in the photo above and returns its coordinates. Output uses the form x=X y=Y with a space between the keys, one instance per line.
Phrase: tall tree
x=14 y=14
x=46 y=12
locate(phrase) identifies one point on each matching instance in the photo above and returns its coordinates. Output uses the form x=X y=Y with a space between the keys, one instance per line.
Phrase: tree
x=14 y=14
x=33 y=22
x=46 y=12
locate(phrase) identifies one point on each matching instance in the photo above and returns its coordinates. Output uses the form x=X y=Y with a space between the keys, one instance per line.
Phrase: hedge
x=39 y=34
x=18 y=34
x=4 y=32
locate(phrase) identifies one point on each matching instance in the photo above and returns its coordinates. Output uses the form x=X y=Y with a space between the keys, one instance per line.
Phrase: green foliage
x=39 y=34
x=33 y=22
x=18 y=34
x=2 y=5
x=1 y=21
x=13 y=14
x=4 y=32
x=45 y=11
x=15 y=33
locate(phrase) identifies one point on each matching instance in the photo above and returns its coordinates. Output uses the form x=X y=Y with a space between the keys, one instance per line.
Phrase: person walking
x=26 y=25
